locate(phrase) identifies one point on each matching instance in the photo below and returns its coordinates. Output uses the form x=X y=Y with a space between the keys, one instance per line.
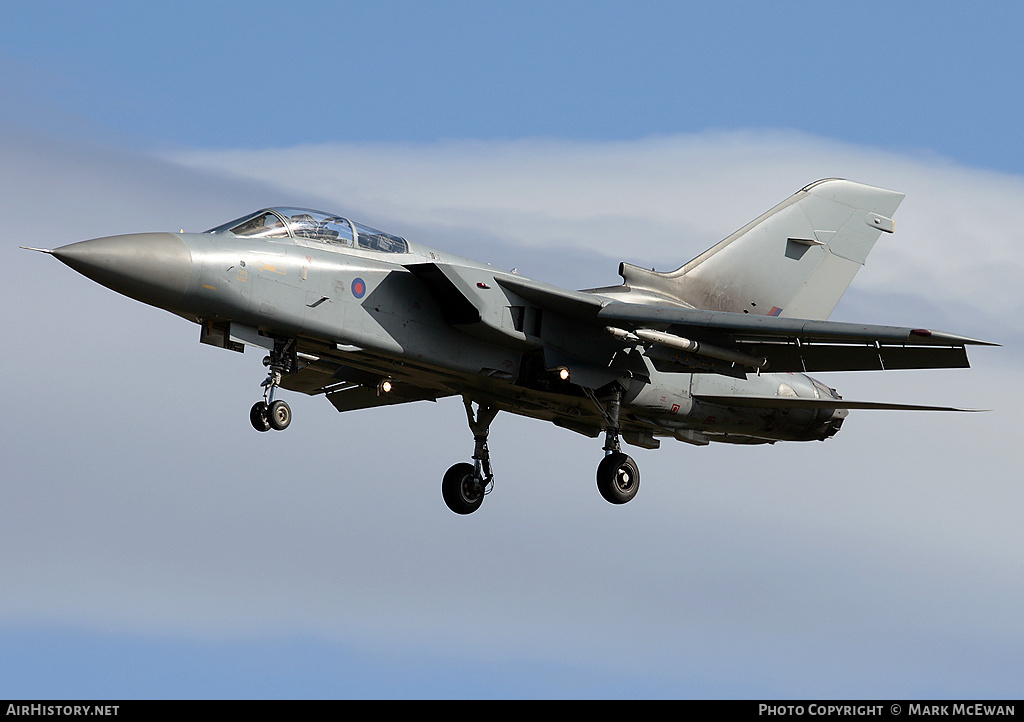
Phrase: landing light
x=384 y=387
x=563 y=373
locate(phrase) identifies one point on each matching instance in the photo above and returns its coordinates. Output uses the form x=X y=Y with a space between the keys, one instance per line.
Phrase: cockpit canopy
x=302 y=223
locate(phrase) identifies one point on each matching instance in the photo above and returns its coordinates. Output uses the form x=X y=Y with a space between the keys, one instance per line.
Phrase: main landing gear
x=618 y=477
x=464 y=485
x=274 y=413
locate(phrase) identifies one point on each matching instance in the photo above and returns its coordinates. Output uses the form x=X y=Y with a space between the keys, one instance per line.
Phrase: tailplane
x=795 y=261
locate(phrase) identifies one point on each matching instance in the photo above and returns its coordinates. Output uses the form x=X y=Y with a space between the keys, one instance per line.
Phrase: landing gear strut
x=270 y=413
x=464 y=485
x=618 y=477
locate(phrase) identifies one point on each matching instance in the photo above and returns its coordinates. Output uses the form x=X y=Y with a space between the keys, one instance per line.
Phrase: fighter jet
x=717 y=350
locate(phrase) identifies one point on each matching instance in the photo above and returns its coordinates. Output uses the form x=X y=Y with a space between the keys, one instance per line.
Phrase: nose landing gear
x=274 y=413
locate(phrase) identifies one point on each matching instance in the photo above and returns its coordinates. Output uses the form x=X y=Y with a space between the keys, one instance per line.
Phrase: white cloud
x=663 y=200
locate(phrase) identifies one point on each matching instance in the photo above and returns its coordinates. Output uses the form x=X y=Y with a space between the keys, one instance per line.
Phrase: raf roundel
x=358 y=288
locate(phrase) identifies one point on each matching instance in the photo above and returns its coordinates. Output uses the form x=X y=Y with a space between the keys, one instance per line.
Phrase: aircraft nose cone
x=155 y=268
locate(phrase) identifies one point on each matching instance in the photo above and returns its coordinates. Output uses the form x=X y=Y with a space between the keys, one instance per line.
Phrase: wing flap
x=810 y=357
x=745 y=326
x=794 y=402
x=793 y=344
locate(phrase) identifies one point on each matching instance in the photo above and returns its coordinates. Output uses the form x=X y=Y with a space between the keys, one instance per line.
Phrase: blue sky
x=890 y=75
x=155 y=546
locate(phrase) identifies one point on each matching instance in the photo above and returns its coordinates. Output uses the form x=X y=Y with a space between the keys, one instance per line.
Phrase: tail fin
x=796 y=260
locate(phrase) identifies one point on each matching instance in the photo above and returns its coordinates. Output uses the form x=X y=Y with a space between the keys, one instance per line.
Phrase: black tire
x=258 y=416
x=618 y=478
x=461 y=490
x=279 y=415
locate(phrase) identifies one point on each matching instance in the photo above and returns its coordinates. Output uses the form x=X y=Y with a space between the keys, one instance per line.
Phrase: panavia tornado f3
x=717 y=350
